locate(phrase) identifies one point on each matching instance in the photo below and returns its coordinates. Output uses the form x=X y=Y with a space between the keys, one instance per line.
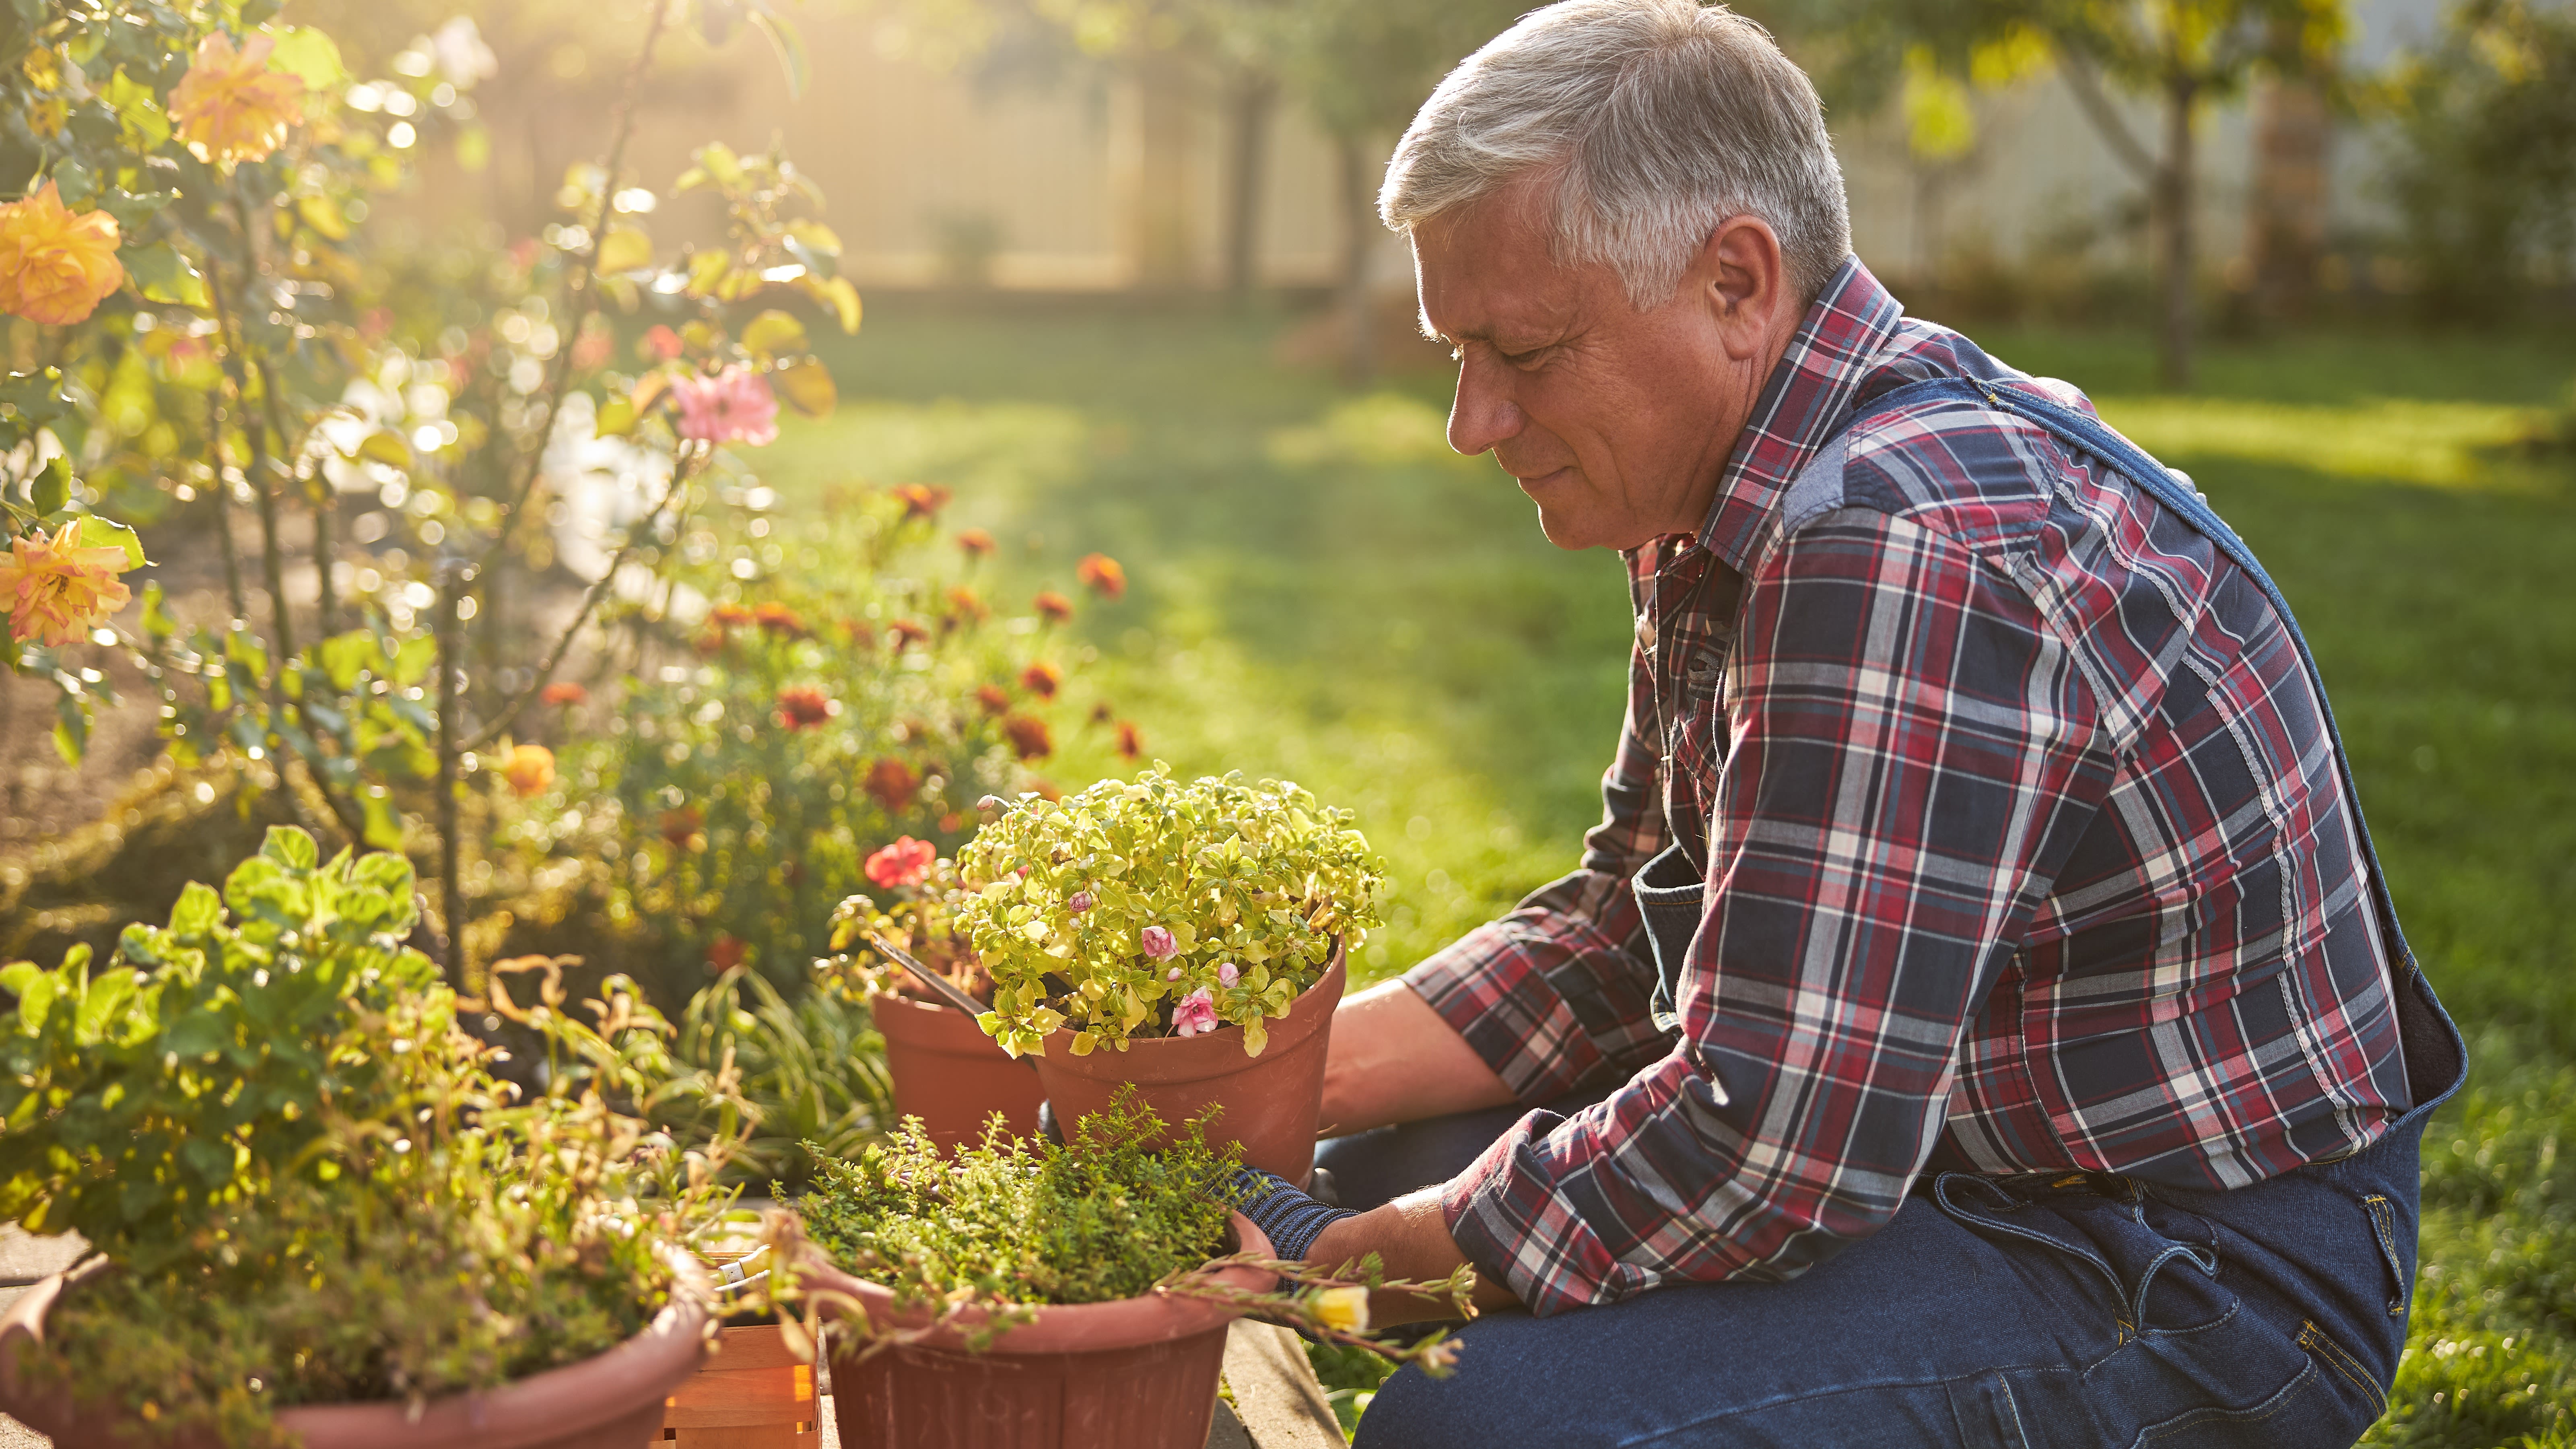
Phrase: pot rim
x=1286 y=1034
x=526 y=1411
x=1066 y=1328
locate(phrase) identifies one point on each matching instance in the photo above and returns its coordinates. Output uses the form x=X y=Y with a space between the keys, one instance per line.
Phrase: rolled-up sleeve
x=1911 y=753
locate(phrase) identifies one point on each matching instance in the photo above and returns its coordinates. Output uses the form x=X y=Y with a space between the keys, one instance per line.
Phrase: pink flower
x=1226 y=974
x=734 y=406
x=1078 y=902
x=1172 y=975
x=1194 y=1013
x=904 y=863
x=1158 y=943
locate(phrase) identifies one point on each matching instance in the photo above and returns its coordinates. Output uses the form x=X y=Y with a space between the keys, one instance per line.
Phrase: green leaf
x=323 y=215
x=624 y=249
x=162 y=273
x=845 y=302
x=344 y=657
x=808 y=388
x=789 y=45
x=387 y=448
x=310 y=56
x=616 y=417
x=138 y=106
x=71 y=729
x=413 y=660
x=197 y=911
x=97 y=532
x=51 y=488
x=771 y=333
x=35 y=999
x=291 y=847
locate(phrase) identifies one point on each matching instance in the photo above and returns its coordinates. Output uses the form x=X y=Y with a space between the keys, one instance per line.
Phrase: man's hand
x=1394 y=1059
x=1411 y=1237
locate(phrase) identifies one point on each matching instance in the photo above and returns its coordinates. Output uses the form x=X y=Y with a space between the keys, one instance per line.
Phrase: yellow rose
x=1345 y=1309
x=55 y=591
x=55 y=266
x=530 y=769
x=230 y=107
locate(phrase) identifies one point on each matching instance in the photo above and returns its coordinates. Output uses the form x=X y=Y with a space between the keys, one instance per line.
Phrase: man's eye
x=1526 y=360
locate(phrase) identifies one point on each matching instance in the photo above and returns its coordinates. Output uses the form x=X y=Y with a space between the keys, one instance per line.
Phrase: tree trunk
x=2286 y=210
x=2174 y=235
x=1255 y=99
x=1359 y=220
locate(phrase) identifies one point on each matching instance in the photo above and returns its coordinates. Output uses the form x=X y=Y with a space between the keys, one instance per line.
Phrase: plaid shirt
x=2025 y=851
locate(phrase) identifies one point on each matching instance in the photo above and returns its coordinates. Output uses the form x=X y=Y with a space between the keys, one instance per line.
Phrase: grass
x=1321 y=591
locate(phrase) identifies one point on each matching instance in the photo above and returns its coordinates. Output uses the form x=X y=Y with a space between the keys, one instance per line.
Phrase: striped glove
x=1291 y=1219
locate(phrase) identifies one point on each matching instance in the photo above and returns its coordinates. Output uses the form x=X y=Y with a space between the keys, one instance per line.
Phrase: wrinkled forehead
x=1489 y=270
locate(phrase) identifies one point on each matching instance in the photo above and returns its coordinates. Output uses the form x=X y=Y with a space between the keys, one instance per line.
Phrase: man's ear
x=1745 y=282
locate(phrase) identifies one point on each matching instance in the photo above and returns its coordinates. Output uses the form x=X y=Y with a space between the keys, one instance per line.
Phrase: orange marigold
x=1041 y=679
x=1131 y=740
x=56 y=266
x=963 y=603
x=908 y=632
x=994 y=699
x=1056 y=607
x=1101 y=573
x=779 y=619
x=975 y=543
x=921 y=500
x=529 y=769
x=730 y=616
x=56 y=591
x=802 y=706
x=893 y=784
x=1028 y=737
x=230 y=107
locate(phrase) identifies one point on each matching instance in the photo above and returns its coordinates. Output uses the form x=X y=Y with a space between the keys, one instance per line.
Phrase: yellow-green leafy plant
x=309 y=1181
x=1158 y=907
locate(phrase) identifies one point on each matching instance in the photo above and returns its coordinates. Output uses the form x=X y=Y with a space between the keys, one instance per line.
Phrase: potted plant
x=945 y=1070
x=318 y=1213
x=1188 y=937
x=1022 y=1294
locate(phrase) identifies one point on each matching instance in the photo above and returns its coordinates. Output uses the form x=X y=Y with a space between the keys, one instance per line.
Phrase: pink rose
x=1226 y=974
x=1172 y=975
x=734 y=406
x=1158 y=943
x=1194 y=1013
x=1078 y=902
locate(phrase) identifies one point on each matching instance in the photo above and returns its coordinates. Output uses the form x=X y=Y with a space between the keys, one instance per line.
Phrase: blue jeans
x=2082 y=1310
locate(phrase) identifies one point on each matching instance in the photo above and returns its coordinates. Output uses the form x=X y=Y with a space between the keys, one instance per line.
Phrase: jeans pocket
x=2155 y=1262
x=2383 y=1226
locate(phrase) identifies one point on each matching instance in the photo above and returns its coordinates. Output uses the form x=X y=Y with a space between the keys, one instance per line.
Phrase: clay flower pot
x=754 y=1394
x=1140 y=1373
x=612 y=1401
x=1271 y=1101
x=950 y=1075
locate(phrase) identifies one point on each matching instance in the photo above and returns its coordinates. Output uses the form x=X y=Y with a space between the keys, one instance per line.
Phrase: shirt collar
x=1808 y=396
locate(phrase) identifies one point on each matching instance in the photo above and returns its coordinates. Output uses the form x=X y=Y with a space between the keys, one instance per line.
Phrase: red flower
x=1131 y=741
x=681 y=825
x=893 y=783
x=563 y=692
x=1041 y=679
x=921 y=500
x=904 y=863
x=724 y=953
x=659 y=343
x=1028 y=736
x=908 y=632
x=1056 y=607
x=964 y=604
x=951 y=823
x=802 y=706
x=992 y=697
x=975 y=542
x=779 y=619
x=1102 y=574
x=730 y=616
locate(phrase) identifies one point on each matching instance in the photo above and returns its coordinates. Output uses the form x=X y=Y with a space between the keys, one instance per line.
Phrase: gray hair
x=1659 y=119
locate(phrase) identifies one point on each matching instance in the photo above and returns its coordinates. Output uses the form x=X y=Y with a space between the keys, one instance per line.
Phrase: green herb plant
x=305 y=1180
x=979 y=1240
x=1158 y=907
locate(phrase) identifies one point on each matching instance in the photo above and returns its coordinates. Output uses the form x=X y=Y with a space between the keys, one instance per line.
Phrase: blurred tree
x=2484 y=170
x=2178 y=53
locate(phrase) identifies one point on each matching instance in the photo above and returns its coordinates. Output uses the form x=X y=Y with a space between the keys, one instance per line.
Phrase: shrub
x=307 y=1181
x=1162 y=907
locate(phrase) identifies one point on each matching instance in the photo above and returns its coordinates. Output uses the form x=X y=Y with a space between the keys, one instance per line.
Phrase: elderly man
x=1978 y=1018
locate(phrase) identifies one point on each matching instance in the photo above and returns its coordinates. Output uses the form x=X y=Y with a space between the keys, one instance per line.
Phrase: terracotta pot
x=950 y=1075
x=1271 y=1101
x=754 y=1394
x=612 y=1401
x=1140 y=1373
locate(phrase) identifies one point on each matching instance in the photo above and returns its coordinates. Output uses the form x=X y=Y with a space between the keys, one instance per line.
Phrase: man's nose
x=1484 y=413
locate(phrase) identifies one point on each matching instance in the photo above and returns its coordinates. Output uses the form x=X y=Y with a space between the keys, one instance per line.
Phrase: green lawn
x=1321 y=591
